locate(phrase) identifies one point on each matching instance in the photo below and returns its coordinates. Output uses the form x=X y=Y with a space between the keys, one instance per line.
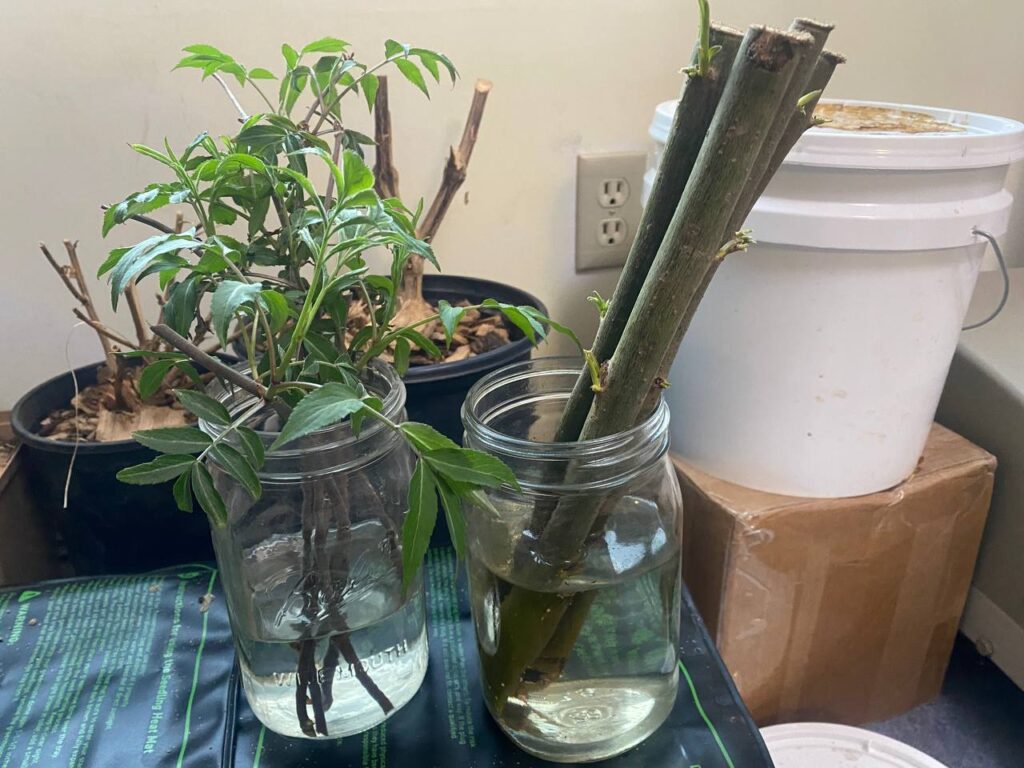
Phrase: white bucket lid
x=984 y=142
x=664 y=113
x=824 y=745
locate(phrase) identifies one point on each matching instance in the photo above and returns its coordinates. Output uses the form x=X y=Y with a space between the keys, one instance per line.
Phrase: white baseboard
x=993 y=630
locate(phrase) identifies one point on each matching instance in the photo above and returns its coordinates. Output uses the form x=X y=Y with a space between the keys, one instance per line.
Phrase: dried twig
x=74 y=280
x=135 y=309
x=106 y=334
x=384 y=172
x=410 y=292
x=63 y=274
x=458 y=160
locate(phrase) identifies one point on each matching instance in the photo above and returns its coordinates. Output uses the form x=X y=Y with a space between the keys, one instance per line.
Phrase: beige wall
x=80 y=80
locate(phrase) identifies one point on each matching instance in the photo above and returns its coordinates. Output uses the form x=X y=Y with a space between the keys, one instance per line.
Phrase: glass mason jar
x=574 y=580
x=328 y=643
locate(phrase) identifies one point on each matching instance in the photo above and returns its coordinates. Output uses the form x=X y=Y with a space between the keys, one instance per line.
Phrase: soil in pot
x=108 y=526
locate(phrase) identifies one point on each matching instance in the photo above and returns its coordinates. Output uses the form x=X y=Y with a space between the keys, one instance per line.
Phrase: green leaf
x=153 y=154
x=159 y=470
x=326 y=45
x=203 y=406
x=236 y=160
x=429 y=60
x=291 y=56
x=330 y=404
x=257 y=138
x=182 y=302
x=450 y=317
x=227 y=299
x=303 y=181
x=178 y=440
x=139 y=256
x=236 y=69
x=190 y=370
x=258 y=216
x=369 y=82
x=540 y=318
x=530 y=327
x=222 y=214
x=236 y=465
x=292 y=86
x=420 y=341
x=252 y=446
x=151 y=379
x=419 y=522
x=111 y=261
x=277 y=308
x=424 y=437
x=468 y=466
x=412 y=74
x=140 y=203
x=320 y=348
x=183 y=492
x=454 y=516
x=395 y=48
x=401 y=356
x=209 y=498
x=206 y=50
x=259 y=73
x=358 y=176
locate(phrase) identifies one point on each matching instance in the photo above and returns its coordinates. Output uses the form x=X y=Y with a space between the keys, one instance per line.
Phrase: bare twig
x=458 y=160
x=135 y=309
x=74 y=280
x=62 y=273
x=384 y=171
x=209 y=362
x=106 y=334
x=149 y=222
x=410 y=292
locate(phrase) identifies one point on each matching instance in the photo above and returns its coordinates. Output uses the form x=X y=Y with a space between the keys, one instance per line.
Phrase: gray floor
x=977 y=722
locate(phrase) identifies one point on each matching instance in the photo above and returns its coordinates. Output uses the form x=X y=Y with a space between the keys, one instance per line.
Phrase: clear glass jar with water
x=328 y=643
x=577 y=627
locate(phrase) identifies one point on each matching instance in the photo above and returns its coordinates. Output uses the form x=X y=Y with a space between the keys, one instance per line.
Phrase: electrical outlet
x=613 y=231
x=614 y=193
x=607 y=207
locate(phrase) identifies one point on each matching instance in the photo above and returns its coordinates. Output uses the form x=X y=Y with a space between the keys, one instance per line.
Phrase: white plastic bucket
x=815 y=363
x=824 y=745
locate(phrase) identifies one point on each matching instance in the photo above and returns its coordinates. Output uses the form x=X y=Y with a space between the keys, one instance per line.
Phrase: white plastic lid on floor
x=824 y=745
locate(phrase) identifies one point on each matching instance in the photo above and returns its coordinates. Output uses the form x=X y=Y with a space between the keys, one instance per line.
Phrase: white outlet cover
x=608 y=207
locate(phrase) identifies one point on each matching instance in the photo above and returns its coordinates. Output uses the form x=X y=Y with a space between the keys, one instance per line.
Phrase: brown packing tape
x=843 y=609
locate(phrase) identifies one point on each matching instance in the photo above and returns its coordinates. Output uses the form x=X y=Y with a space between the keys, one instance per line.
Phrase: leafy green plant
x=285 y=261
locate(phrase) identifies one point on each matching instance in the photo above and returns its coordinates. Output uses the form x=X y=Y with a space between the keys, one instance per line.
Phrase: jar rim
x=655 y=423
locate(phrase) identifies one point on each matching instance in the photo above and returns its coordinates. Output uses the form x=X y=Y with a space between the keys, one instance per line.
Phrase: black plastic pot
x=108 y=527
x=434 y=393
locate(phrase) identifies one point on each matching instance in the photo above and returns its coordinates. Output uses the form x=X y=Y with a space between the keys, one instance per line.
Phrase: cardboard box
x=842 y=610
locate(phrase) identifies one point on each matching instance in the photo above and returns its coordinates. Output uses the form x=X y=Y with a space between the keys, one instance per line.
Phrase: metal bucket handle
x=1006 y=280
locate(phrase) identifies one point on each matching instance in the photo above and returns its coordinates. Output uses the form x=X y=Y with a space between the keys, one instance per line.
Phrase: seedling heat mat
x=129 y=671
